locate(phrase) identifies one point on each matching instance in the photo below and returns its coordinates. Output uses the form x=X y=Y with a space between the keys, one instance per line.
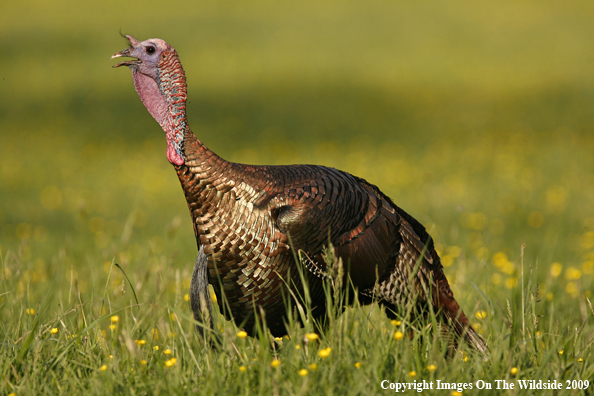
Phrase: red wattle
x=173 y=156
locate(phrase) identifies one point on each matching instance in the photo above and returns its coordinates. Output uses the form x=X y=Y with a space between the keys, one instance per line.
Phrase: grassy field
x=475 y=117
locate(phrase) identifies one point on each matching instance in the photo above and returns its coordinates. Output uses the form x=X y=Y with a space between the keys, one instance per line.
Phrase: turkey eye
x=150 y=50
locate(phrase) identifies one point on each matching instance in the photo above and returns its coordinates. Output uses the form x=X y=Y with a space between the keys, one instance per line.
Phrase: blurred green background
x=476 y=117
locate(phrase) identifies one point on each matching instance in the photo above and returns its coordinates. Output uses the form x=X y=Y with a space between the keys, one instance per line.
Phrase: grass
x=105 y=341
x=476 y=118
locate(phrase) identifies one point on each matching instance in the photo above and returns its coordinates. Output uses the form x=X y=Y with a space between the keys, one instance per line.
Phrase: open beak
x=125 y=53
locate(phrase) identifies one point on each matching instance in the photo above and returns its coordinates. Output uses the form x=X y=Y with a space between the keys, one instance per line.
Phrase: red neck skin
x=165 y=99
x=164 y=95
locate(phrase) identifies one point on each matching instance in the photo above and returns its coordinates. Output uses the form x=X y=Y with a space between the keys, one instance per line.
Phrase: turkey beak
x=126 y=53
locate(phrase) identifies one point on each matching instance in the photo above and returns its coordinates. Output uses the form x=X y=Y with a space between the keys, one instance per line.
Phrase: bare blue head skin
x=160 y=82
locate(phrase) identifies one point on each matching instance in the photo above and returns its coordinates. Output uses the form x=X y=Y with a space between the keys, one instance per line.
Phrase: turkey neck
x=198 y=168
x=201 y=172
x=164 y=95
x=202 y=168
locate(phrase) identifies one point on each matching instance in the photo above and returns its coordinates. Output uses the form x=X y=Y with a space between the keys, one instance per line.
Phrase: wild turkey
x=246 y=217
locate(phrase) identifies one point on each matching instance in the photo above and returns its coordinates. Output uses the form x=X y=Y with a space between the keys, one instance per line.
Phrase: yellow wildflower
x=303 y=372
x=143 y=362
x=496 y=278
x=112 y=327
x=572 y=273
x=535 y=219
x=398 y=335
x=580 y=360
x=432 y=367
x=278 y=339
x=572 y=289
x=30 y=311
x=561 y=352
x=313 y=367
x=186 y=297
x=312 y=336
x=358 y=365
x=514 y=371
x=103 y=368
x=480 y=315
x=396 y=322
x=242 y=334
x=556 y=269
x=114 y=319
x=155 y=334
x=275 y=363
x=54 y=330
x=324 y=353
x=242 y=369
x=171 y=362
x=455 y=251
x=297 y=347
x=140 y=342
x=412 y=374
x=447 y=260
x=167 y=351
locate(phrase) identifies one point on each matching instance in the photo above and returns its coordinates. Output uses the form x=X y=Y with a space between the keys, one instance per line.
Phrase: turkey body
x=250 y=220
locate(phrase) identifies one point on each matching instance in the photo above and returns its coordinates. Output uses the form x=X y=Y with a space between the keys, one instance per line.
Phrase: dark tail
x=458 y=321
x=461 y=326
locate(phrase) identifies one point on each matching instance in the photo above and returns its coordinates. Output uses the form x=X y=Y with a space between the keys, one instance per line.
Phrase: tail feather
x=461 y=326
x=457 y=319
